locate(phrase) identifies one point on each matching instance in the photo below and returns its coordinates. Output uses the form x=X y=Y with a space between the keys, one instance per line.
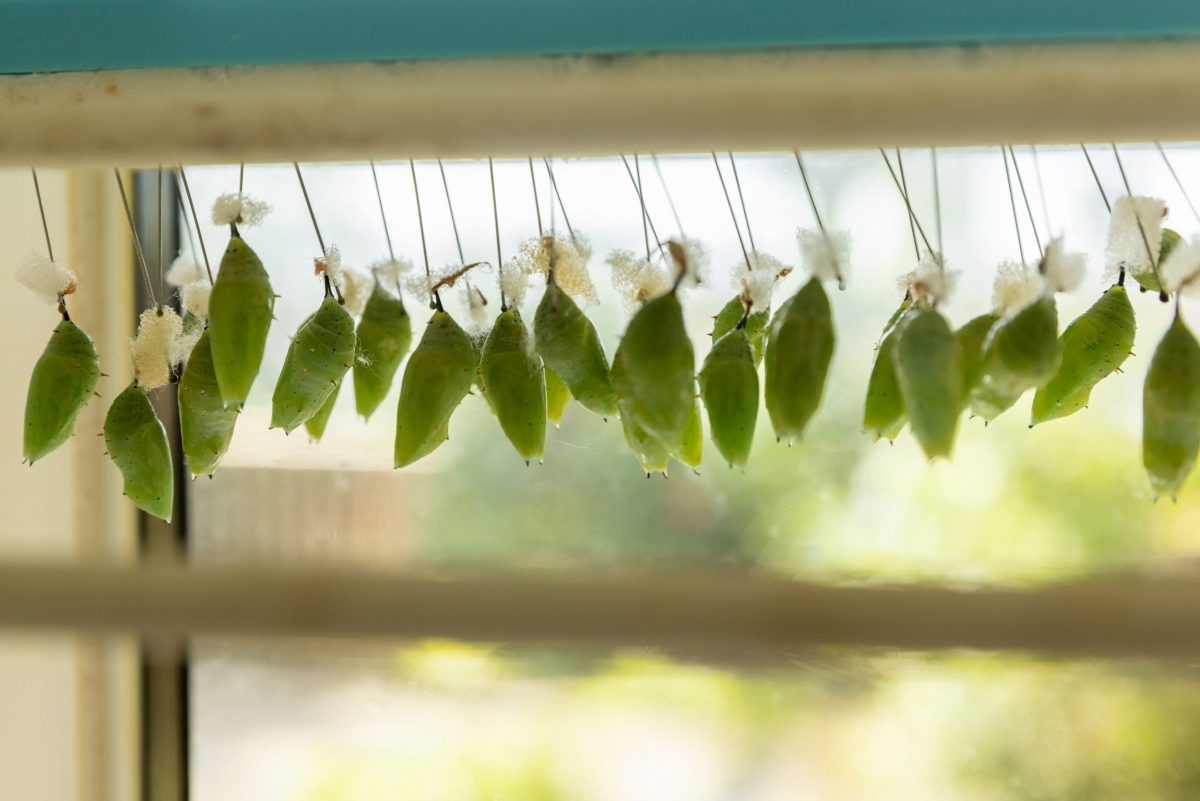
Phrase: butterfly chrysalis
x=1171 y=410
x=317 y=360
x=137 y=443
x=691 y=447
x=62 y=382
x=557 y=397
x=569 y=345
x=436 y=379
x=883 y=412
x=929 y=368
x=652 y=372
x=799 y=349
x=384 y=337
x=205 y=423
x=239 y=313
x=1095 y=344
x=731 y=314
x=514 y=384
x=729 y=388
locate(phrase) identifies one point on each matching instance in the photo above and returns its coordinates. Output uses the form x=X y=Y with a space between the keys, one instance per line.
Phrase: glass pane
x=1015 y=505
x=445 y=721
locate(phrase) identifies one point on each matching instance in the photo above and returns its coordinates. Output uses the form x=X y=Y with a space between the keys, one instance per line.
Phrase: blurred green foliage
x=859 y=726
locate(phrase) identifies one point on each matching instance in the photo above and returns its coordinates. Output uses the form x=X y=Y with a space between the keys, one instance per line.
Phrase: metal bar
x=587 y=105
x=1144 y=617
x=163 y=675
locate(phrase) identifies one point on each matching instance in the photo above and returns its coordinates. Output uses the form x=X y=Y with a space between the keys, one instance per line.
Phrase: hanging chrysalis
x=1023 y=351
x=653 y=369
x=731 y=314
x=557 y=397
x=1171 y=410
x=436 y=379
x=691 y=447
x=649 y=451
x=137 y=443
x=356 y=290
x=929 y=362
x=318 y=358
x=384 y=337
x=972 y=338
x=514 y=384
x=799 y=348
x=1171 y=395
x=242 y=304
x=61 y=384
x=316 y=425
x=66 y=374
x=1170 y=240
x=800 y=339
x=133 y=434
x=729 y=388
x=884 y=414
x=1095 y=344
x=756 y=279
x=567 y=340
x=205 y=423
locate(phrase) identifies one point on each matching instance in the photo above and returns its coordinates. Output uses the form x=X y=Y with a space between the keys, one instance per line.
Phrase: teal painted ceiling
x=72 y=35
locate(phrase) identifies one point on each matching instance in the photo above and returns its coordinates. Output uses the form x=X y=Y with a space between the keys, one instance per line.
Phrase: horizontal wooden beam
x=591 y=105
x=739 y=613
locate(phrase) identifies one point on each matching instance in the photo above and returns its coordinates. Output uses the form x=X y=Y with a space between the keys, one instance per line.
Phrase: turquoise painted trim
x=74 y=35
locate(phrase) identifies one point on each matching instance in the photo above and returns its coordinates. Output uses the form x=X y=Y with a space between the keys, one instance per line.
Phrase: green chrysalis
x=1022 y=352
x=557 y=397
x=436 y=379
x=384 y=337
x=205 y=424
x=799 y=349
x=1095 y=344
x=63 y=380
x=514 y=384
x=1171 y=410
x=569 y=345
x=650 y=453
x=1146 y=278
x=317 y=360
x=731 y=314
x=883 y=412
x=652 y=372
x=137 y=444
x=729 y=387
x=315 y=425
x=691 y=447
x=973 y=337
x=929 y=367
x=239 y=313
